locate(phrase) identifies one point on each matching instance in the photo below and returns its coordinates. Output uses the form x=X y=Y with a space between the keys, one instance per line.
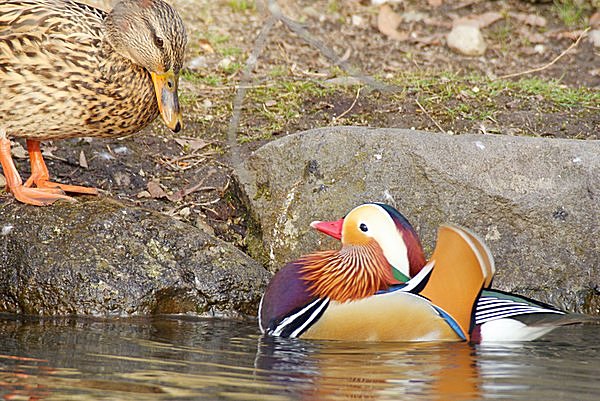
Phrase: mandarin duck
x=351 y=293
x=499 y=315
x=70 y=70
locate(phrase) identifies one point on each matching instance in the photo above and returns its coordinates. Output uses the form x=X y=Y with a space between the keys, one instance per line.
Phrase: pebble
x=594 y=37
x=198 y=63
x=467 y=40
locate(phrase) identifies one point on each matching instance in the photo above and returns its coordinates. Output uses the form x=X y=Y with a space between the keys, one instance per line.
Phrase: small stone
x=198 y=63
x=357 y=20
x=122 y=179
x=413 y=16
x=121 y=150
x=225 y=63
x=467 y=40
x=7 y=229
x=594 y=37
x=539 y=49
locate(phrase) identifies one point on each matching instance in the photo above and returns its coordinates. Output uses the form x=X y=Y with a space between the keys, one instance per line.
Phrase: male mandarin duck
x=351 y=294
x=499 y=316
x=70 y=70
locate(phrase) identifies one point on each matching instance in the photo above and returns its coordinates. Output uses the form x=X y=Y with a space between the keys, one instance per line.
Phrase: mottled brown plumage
x=69 y=70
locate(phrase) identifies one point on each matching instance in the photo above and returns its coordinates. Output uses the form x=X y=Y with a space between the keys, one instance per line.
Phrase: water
x=210 y=359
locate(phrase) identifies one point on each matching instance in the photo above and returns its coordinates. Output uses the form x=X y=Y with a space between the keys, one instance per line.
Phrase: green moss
x=240 y=6
x=573 y=13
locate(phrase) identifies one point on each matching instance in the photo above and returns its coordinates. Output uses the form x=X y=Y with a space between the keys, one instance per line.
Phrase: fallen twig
x=538 y=69
x=234 y=150
x=430 y=117
x=351 y=106
x=328 y=52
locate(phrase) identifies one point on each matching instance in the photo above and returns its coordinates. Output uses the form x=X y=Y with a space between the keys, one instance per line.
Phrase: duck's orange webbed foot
x=40 y=178
x=14 y=184
x=39 y=196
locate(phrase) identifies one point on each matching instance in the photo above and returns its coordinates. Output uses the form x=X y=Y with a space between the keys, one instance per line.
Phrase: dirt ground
x=296 y=87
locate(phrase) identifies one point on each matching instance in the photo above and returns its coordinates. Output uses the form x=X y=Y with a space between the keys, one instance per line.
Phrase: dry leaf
x=205 y=45
x=179 y=195
x=529 y=19
x=387 y=23
x=435 y=3
x=82 y=160
x=478 y=20
x=155 y=190
x=572 y=35
x=191 y=144
x=18 y=151
x=536 y=38
x=595 y=20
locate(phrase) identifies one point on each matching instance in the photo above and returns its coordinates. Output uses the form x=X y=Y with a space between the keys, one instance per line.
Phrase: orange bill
x=165 y=86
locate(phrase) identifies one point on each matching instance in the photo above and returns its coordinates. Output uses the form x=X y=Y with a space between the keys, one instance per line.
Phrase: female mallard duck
x=69 y=70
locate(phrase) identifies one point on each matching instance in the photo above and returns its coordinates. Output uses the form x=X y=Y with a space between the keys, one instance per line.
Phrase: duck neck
x=353 y=272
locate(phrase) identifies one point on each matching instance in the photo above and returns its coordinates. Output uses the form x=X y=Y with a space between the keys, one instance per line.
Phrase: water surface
x=210 y=359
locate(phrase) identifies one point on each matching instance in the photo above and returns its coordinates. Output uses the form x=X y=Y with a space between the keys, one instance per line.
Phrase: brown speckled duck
x=71 y=70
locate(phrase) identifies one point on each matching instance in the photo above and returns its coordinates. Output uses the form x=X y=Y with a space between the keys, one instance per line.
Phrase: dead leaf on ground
x=536 y=38
x=192 y=144
x=388 y=22
x=18 y=151
x=435 y=3
x=190 y=189
x=179 y=195
x=595 y=20
x=572 y=35
x=431 y=40
x=478 y=20
x=529 y=19
x=205 y=45
x=155 y=190
x=83 y=160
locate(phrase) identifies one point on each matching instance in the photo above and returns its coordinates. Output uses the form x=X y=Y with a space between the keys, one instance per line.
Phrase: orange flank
x=462 y=267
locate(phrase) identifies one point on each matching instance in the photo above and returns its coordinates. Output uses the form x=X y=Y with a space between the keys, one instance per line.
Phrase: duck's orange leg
x=40 y=176
x=14 y=184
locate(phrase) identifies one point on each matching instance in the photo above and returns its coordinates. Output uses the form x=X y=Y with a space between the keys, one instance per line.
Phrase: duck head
x=388 y=228
x=151 y=34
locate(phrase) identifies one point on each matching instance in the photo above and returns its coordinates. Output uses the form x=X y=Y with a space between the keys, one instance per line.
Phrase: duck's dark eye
x=363 y=227
x=159 y=42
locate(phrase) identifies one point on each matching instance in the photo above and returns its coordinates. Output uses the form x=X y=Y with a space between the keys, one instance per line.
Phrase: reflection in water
x=338 y=370
x=195 y=359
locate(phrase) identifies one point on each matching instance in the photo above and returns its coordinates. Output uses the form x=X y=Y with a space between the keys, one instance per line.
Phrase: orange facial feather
x=351 y=273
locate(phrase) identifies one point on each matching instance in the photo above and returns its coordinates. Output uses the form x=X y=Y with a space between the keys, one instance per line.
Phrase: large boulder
x=535 y=201
x=99 y=257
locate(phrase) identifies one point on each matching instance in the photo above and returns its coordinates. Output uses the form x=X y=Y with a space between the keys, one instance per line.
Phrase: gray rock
x=99 y=257
x=594 y=37
x=467 y=40
x=535 y=201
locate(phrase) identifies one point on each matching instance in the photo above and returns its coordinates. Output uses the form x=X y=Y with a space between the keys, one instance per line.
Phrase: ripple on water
x=209 y=359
